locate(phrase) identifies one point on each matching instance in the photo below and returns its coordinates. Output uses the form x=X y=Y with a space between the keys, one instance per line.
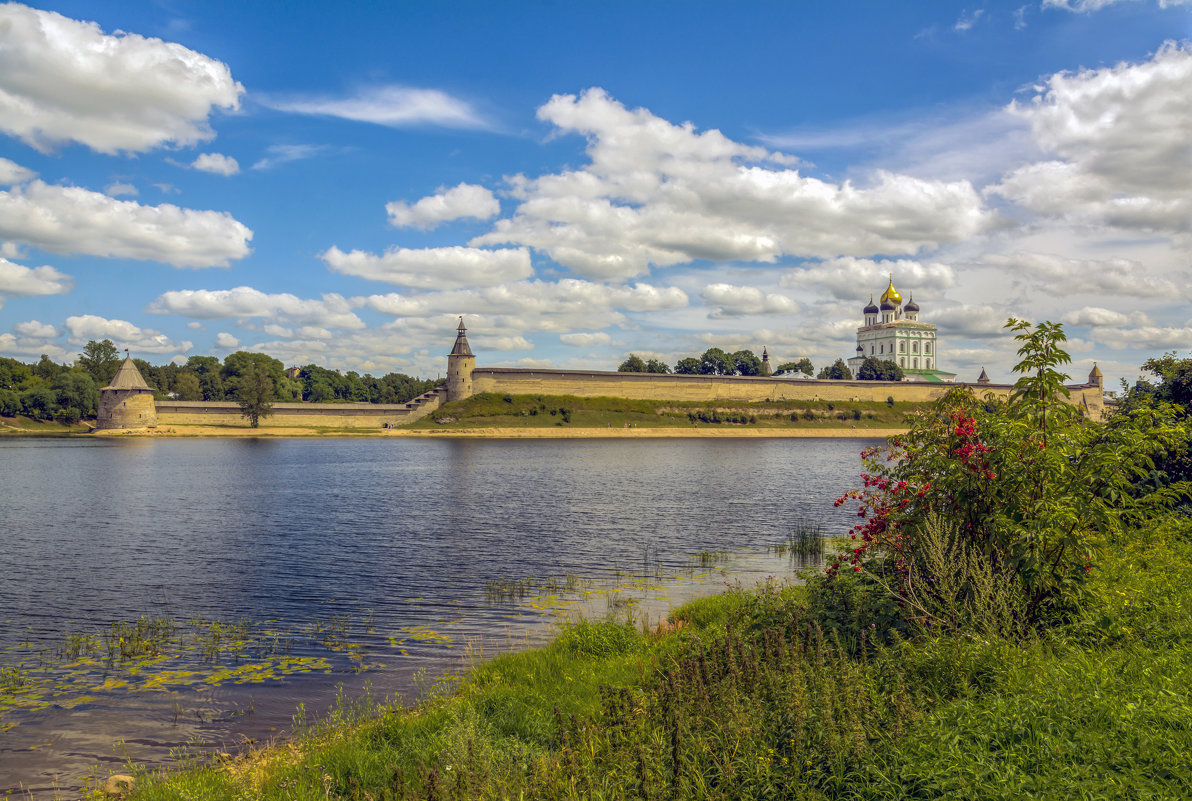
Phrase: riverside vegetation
x=1011 y=618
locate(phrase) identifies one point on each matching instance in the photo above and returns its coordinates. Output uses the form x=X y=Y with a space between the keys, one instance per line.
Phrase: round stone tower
x=127 y=402
x=460 y=363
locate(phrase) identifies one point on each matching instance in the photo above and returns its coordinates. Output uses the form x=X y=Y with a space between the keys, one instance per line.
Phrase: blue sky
x=336 y=183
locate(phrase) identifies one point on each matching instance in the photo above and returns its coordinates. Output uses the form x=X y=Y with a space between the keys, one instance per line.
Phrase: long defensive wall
x=465 y=379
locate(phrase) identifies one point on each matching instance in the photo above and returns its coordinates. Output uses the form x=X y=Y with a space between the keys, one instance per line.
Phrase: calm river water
x=355 y=562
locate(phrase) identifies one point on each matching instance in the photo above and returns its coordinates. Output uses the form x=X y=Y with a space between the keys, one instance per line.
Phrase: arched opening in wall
x=928 y=364
x=916 y=363
x=902 y=361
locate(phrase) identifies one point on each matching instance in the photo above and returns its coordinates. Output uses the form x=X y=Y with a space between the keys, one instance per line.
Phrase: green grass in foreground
x=491 y=410
x=742 y=696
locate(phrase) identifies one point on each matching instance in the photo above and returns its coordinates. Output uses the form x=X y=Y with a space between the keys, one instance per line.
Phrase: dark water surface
x=399 y=537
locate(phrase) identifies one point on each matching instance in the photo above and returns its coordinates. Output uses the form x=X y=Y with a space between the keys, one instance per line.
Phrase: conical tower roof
x=983 y=378
x=461 y=341
x=128 y=377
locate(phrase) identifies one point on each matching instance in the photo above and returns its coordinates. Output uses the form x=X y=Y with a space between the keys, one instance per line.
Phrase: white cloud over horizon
x=458 y=202
x=64 y=80
x=331 y=311
x=434 y=268
x=657 y=194
x=85 y=327
x=69 y=220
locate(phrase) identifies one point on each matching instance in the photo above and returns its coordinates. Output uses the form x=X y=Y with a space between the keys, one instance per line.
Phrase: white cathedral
x=892 y=332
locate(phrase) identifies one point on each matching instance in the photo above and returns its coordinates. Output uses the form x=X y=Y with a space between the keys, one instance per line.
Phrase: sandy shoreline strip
x=733 y=432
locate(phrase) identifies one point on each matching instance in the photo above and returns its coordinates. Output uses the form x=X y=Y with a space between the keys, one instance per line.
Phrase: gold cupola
x=891 y=294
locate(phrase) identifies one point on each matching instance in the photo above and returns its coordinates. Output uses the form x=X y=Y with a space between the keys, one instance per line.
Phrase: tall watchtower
x=127 y=402
x=460 y=364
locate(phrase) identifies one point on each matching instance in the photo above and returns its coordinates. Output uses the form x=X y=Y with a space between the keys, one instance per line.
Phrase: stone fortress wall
x=716 y=389
x=594 y=384
x=131 y=406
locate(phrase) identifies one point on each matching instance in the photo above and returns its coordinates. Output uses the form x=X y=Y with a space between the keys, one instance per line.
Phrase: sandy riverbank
x=510 y=433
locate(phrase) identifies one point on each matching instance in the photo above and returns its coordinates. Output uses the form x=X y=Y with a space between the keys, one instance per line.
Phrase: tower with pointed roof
x=127 y=402
x=892 y=332
x=460 y=364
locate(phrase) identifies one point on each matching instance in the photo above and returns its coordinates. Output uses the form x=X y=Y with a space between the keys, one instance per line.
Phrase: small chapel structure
x=893 y=332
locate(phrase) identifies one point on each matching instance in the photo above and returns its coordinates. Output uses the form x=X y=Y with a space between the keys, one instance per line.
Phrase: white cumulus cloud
x=564 y=306
x=332 y=311
x=465 y=200
x=434 y=268
x=216 y=163
x=226 y=341
x=66 y=219
x=1113 y=277
x=64 y=80
x=116 y=189
x=124 y=334
x=852 y=279
x=1097 y=316
x=659 y=194
x=585 y=339
x=728 y=300
x=17 y=279
x=13 y=173
x=35 y=329
x=1120 y=138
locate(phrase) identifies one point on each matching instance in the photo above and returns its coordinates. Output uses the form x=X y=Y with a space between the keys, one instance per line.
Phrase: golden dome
x=891 y=294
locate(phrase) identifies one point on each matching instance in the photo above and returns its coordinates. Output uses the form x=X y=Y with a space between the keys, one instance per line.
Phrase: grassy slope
x=745 y=700
x=26 y=426
x=489 y=410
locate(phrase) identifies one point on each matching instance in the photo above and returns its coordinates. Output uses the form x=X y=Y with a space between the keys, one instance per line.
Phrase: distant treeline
x=51 y=391
x=715 y=361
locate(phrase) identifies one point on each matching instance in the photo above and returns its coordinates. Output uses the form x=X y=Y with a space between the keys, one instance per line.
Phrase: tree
x=187 y=387
x=873 y=369
x=75 y=395
x=1010 y=501
x=100 y=360
x=657 y=366
x=47 y=368
x=633 y=364
x=714 y=361
x=746 y=362
x=14 y=374
x=838 y=371
x=254 y=394
x=689 y=366
x=207 y=369
x=801 y=366
x=235 y=365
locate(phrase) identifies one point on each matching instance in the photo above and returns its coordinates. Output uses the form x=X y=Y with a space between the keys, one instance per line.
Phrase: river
x=276 y=570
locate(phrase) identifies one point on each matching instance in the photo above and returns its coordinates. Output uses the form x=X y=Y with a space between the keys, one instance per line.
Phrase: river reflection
x=393 y=539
